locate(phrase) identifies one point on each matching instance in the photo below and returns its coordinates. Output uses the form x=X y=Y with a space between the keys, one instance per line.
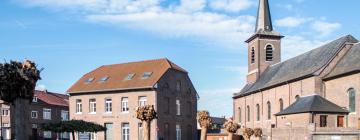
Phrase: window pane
x=125 y=131
x=109 y=131
x=269 y=110
x=351 y=95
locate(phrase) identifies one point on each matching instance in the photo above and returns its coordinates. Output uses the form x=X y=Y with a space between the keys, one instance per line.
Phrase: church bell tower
x=264 y=46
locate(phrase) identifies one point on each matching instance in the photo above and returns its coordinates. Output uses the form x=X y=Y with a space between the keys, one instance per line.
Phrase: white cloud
x=213 y=27
x=325 y=28
x=41 y=87
x=291 y=21
x=217 y=101
x=242 y=70
x=187 y=19
x=230 y=5
x=295 y=45
x=191 y=5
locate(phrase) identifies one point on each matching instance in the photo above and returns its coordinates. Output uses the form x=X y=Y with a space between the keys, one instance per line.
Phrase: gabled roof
x=302 y=66
x=52 y=98
x=312 y=104
x=349 y=63
x=218 y=120
x=117 y=73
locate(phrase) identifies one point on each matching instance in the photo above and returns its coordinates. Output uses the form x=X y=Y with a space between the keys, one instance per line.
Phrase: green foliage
x=18 y=80
x=72 y=126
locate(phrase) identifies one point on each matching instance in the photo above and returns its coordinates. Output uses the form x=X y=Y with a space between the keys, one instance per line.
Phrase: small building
x=110 y=94
x=46 y=107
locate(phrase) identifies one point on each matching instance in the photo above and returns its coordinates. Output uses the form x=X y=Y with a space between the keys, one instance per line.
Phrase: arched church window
x=351 y=94
x=269 y=53
x=281 y=102
x=268 y=110
x=248 y=113
x=257 y=112
x=252 y=55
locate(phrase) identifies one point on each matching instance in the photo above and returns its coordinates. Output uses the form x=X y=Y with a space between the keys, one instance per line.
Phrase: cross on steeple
x=263 y=21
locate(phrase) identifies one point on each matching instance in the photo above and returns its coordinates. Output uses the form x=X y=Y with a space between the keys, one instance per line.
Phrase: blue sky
x=72 y=37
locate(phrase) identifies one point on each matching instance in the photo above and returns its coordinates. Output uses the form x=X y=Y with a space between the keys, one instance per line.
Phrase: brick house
x=110 y=94
x=46 y=107
x=329 y=73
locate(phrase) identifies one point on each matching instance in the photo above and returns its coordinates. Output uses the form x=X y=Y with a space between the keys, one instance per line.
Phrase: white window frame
x=178 y=107
x=46 y=116
x=64 y=115
x=78 y=106
x=47 y=134
x=5 y=111
x=35 y=99
x=178 y=132
x=140 y=131
x=93 y=136
x=125 y=131
x=92 y=106
x=142 y=100
x=108 y=105
x=65 y=135
x=34 y=116
x=125 y=105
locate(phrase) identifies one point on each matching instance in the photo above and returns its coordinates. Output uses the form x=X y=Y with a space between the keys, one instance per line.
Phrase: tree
x=146 y=114
x=72 y=126
x=17 y=85
x=231 y=127
x=248 y=132
x=258 y=133
x=205 y=122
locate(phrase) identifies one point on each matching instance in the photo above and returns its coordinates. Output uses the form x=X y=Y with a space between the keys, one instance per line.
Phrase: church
x=311 y=96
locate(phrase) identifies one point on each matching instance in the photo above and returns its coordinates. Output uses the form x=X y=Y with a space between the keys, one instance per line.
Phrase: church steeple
x=263 y=21
x=264 y=46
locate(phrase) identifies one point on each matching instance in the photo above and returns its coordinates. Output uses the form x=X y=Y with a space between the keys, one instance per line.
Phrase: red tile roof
x=52 y=98
x=116 y=74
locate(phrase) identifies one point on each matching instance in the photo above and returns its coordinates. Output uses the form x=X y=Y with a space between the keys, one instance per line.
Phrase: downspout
x=156 y=108
x=245 y=118
x=289 y=92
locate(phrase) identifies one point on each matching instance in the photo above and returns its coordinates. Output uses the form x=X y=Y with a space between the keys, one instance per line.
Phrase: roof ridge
x=140 y=61
x=323 y=45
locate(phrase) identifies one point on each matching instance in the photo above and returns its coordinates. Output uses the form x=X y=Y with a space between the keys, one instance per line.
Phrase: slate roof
x=116 y=74
x=349 y=63
x=52 y=98
x=218 y=120
x=263 y=21
x=312 y=104
x=302 y=66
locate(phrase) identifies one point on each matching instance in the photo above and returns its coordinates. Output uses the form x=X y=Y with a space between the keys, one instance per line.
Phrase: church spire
x=263 y=21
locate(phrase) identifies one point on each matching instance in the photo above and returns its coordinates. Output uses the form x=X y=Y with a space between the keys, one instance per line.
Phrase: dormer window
x=35 y=99
x=269 y=53
x=103 y=79
x=252 y=55
x=89 y=80
x=146 y=75
x=129 y=76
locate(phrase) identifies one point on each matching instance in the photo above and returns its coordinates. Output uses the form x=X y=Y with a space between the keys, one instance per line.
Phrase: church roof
x=348 y=64
x=312 y=104
x=299 y=67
